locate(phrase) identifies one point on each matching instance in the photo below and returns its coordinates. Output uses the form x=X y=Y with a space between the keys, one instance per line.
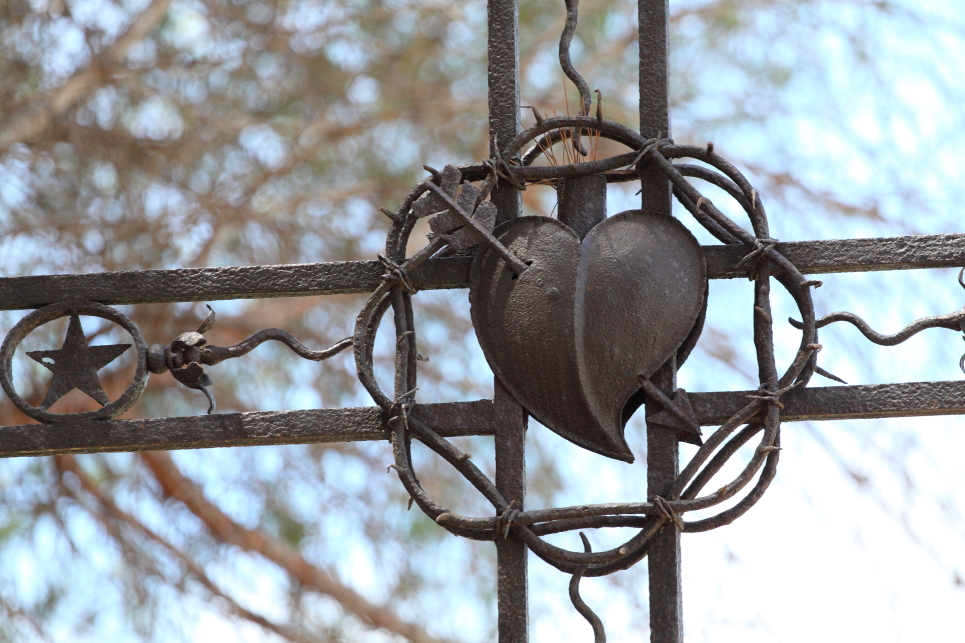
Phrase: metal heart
x=570 y=336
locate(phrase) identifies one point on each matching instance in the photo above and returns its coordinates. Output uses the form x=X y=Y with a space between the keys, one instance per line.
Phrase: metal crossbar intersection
x=504 y=417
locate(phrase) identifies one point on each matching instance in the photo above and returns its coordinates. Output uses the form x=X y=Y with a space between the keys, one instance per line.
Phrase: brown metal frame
x=503 y=417
x=437 y=273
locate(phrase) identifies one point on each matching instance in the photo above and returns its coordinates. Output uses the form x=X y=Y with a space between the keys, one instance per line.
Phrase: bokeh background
x=175 y=133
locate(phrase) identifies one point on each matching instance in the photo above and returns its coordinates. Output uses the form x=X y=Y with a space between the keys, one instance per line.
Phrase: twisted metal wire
x=951 y=321
x=760 y=415
x=212 y=355
x=572 y=17
x=599 y=634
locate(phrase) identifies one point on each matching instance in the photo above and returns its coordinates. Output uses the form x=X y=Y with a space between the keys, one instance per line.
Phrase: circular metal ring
x=762 y=465
x=65 y=309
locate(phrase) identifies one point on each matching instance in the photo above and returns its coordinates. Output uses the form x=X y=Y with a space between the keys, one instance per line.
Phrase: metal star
x=76 y=364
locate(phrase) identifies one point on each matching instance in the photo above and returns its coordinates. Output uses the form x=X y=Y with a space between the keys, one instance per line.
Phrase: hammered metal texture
x=352 y=424
x=915 y=399
x=570 y=336
x=300 y=280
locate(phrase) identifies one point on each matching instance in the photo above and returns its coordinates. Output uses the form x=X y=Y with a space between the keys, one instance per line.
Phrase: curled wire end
x=830 y=376
x=536 y=114
x=211 y=403
x=952 y=321
x=599 y=634
x=389 y=213
x=208 y=322
x=961 y=324
x=961 y=362
x=572 y=17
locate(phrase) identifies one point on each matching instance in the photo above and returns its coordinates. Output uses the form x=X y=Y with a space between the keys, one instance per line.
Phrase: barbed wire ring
x=761 y=414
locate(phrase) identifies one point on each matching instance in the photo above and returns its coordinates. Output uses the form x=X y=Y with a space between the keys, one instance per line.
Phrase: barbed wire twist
x=761 y=414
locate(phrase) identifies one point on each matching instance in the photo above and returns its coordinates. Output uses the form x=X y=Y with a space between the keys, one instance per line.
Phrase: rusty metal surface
x=570 y=336
x=664 y=573
x=503 y=80
x=311 y=279
x=852 y=255
x=644 y=282
x=511 y=554
x=582 y=203
x=512 y=577
x=914 y=399
x=75 y=365
x=211 y=284
x=654 y=44
x=666 y=600
x=234 y=429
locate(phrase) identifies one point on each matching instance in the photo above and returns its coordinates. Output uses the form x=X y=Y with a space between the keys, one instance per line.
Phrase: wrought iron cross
x=463 y=218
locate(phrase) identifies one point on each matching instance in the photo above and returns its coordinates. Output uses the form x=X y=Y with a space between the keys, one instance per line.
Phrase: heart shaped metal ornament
x=571 y=336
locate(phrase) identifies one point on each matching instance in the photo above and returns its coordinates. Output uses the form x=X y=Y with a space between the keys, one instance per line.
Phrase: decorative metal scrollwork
x=760 y=415
x=75 y=364
x=189 y=351
x=529 y=277
x=451 y=197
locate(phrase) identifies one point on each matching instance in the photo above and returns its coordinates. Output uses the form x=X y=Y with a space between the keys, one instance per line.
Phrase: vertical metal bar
x=504 y=94
x=666 y=597
x=511 y=553
x=654 y=95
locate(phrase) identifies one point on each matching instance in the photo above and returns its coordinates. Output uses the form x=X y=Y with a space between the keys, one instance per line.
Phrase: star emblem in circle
x=75 y=365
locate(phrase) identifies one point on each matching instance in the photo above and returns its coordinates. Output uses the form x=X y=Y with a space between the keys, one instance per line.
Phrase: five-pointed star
x=76 y=365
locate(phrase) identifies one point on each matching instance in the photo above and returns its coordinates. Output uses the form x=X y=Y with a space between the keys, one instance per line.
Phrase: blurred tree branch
x=175 y=485
x=67 y=463
x=33 y=119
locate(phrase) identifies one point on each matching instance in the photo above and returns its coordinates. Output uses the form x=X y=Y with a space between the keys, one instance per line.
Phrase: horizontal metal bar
x=915 y=399
x=851 y=255
x=212 y=284
x=297 y=280
x=235 y=429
